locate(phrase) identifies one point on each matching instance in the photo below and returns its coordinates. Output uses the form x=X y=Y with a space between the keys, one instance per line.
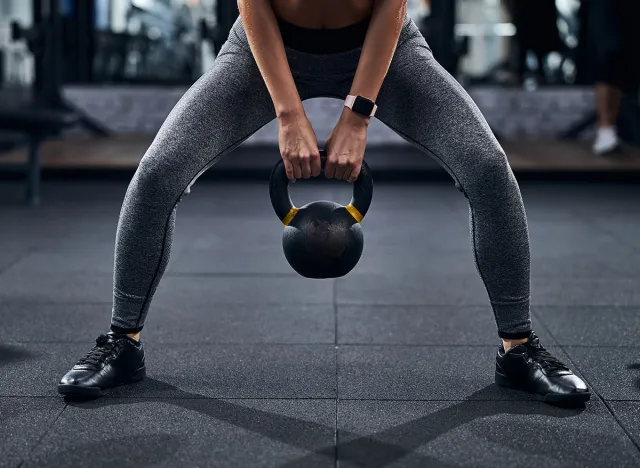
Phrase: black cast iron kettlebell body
x=322 y=239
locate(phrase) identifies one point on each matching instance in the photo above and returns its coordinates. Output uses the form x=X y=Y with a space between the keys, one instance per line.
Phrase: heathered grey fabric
x=418 y=100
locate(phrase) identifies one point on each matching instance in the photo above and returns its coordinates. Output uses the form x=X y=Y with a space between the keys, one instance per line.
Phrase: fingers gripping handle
x=286 y=210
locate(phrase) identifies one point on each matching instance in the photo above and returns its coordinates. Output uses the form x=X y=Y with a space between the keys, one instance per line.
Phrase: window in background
x=519 y=42
x=154 y=41
x=16 y=62
x=489 y=32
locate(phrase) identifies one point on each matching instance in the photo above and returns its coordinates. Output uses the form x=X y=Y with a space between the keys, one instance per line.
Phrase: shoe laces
x=539 y=354
x=106 y=346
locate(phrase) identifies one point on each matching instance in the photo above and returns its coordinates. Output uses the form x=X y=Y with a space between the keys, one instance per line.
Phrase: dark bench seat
x=37 y=125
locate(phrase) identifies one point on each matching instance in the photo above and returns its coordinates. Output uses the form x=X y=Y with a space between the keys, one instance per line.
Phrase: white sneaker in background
x=607 y=141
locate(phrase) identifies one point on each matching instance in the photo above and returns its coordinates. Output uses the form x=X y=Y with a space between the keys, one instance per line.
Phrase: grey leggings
x=418 y=100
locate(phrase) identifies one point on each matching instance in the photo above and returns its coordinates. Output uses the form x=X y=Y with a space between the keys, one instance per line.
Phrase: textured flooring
x=252 y=366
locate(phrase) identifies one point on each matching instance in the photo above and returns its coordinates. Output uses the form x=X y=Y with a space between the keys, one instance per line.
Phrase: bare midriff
x=323 y=14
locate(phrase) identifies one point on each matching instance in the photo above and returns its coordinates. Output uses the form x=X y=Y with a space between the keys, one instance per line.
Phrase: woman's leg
x=228 y=104
x=425 y=105
x=422 y=102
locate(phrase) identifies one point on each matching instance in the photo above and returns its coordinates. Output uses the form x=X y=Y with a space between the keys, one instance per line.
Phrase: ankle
x=508 y=344
x=134 y=336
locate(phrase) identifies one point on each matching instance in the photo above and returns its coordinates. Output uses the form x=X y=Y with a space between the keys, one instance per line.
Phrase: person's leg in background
x=429 y=108
x=605 y=25
x=228 y=104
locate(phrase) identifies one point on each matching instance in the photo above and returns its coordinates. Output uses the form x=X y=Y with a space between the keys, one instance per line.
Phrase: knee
x=156 y=183
x=488 y=174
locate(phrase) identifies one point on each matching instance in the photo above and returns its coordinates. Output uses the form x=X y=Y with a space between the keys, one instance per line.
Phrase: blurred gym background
x=84 y=85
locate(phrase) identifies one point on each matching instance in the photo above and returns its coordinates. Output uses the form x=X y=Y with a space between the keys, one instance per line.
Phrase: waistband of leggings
x=323 y=41
x=327 y=65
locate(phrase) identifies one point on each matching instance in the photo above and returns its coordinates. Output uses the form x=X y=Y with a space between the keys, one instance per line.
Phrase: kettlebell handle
x=286 y=210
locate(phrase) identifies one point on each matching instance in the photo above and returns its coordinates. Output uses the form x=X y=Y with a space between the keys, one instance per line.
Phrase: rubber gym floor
x=252 y=366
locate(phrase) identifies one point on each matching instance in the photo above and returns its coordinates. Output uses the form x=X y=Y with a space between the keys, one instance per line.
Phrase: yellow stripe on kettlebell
x=290 y=215
x=354 y=212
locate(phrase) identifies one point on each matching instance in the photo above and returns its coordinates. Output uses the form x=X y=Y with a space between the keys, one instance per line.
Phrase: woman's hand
x=298 y=146
x=345 y=147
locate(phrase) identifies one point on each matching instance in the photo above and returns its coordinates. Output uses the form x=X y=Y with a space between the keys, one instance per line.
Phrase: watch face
x=362 y=106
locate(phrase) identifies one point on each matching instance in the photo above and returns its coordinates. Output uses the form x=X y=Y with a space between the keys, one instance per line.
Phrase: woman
x=369 y=53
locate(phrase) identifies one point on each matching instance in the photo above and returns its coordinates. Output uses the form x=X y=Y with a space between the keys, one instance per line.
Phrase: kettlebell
x=322 y=239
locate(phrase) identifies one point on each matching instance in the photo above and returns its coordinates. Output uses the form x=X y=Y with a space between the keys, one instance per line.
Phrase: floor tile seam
x=45 y=433
x=27 y=302
x=601 y=398
x=576 y=367
x=182 y=343
x=453 y=400
x=324 y=344
x=169 y=398
x=231 y=274
x=340 y=305
x=34 y=397
x=622 y=426
x=543 y=325
x=612 y=275
x=318 y=344
x=21 y=257
x=579 y=307
x=336 y=461
x=318 y=398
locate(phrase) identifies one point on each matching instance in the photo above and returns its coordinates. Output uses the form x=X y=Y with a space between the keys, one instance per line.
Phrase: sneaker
x=531 y=368
x=115 y=360
x=607 y=142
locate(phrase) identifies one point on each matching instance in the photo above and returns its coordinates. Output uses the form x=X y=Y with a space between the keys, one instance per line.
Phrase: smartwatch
x=361 y=105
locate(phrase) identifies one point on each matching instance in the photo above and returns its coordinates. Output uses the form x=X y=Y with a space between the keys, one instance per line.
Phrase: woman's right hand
x=298 y=146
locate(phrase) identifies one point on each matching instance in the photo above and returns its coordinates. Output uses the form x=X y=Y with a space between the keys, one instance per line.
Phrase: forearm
x=268 y=51
x=379 y=46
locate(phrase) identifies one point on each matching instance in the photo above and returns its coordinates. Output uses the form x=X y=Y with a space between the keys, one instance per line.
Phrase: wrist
x=289 y=112
x=354 y=119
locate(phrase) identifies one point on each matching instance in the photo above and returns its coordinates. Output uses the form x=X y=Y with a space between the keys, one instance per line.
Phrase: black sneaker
x=115 y=360
x=532 y=368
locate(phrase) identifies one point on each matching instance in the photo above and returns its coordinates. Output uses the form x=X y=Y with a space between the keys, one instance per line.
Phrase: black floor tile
x=13 y=250
x=231 y=323
x=394 y=288
x=86 y=258
x=622 y=226
x=264 y=259
x=585 y=291
x=55 y=287
x=613 y=372
x=421 y=325
x=205 y=432
x=23 y=422
x=202 y=291
x=592 y=326
x=232 y=320
x=420 y=261
x=432 y=232
x=10 y=258
x=422 y=373
x=24 y=321
x=188 y=371
x=628 y=413
x=480 y=434
x=570 y=237
x=219 y=323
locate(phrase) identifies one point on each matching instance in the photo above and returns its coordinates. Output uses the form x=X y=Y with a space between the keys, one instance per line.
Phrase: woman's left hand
x=345 y=147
